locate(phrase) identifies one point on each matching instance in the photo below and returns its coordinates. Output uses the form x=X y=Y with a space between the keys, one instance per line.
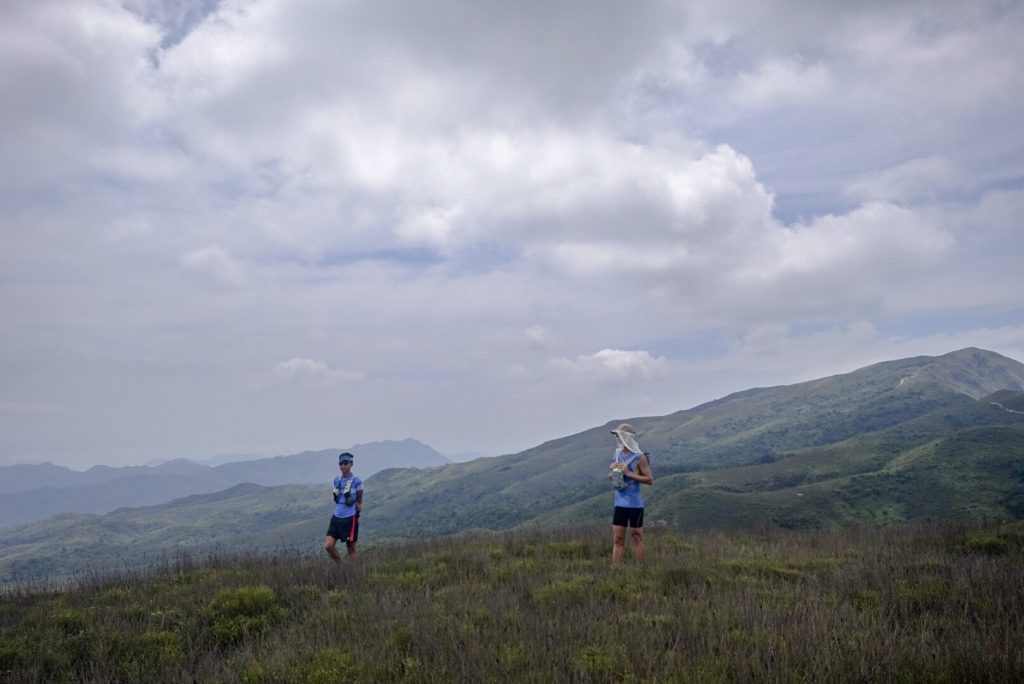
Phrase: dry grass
x=929 y=604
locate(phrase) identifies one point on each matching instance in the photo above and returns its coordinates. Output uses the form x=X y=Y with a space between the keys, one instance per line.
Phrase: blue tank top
x=629 y=497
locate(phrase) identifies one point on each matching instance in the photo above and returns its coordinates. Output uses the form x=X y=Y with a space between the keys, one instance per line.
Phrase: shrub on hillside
x=245 y=611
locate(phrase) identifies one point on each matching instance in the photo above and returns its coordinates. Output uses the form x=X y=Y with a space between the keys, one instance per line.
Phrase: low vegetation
x=917 y=603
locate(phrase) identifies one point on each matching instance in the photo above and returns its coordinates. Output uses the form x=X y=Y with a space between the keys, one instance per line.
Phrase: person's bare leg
x=639 y=546
x=329 y=543
x=618 y=542
x=351 y=550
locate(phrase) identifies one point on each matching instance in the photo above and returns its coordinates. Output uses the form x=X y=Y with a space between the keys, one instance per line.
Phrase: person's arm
x=642 y=473
x=359 y=500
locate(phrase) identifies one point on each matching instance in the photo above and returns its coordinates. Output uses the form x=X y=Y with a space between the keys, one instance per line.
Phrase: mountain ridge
x=860 y=448
x=102 y=489
x=759 y=426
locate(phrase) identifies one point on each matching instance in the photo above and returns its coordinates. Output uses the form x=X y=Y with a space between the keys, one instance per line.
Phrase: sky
x=266 y=226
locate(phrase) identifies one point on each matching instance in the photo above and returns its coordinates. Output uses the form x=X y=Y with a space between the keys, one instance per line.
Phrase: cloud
x=927 y=178
x=877 y=241
x=612 y=364
x=781 y=82
x=79 y=78
x=775 y=352
x=538 y=335
x=314 y=371
x=464 y=194
x=216 y=262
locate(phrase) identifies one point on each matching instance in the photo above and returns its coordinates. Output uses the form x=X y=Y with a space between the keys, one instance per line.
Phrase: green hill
x=828 y=452
x=894 y=442
x=244 y=518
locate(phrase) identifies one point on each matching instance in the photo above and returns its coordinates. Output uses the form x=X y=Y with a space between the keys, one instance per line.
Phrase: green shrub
x=924 y=594
x=329 y=666
x=988 y=544
x=238 y=613
x=402 y=639
x=158 y=649
x=517 y=569
x=566 y=591
x=573 y=549
x=69 y=622
x=600 y=663
x=15 y=653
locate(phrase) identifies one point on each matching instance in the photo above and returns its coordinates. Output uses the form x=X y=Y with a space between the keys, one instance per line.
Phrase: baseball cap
x=345 y=457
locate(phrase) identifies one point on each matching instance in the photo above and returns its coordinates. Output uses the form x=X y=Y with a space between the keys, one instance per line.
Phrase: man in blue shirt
x=628 y=469
x=348 y=503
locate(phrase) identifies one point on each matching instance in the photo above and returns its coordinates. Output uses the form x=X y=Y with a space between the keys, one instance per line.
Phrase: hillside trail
x=996 y=403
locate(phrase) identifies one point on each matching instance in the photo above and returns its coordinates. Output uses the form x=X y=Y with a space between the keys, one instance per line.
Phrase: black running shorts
x=344 y=529
x=628 y=517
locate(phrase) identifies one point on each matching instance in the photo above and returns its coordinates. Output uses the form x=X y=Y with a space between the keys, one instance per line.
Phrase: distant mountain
x=22 y=478
x=245 y=517
x=221 y=459
x=899 y=441
x=30 y=493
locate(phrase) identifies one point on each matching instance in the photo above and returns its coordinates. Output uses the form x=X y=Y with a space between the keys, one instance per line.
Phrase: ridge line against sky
x=264 y=226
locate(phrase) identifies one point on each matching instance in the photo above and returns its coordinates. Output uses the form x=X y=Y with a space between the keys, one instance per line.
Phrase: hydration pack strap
x=631 y=461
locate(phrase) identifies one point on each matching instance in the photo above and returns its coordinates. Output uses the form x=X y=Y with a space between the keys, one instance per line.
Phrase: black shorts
x=344 y=529
x=628 y=517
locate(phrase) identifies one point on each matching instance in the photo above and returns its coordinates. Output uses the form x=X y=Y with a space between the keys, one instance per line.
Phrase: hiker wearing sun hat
x=348 y=503
x=629 y=468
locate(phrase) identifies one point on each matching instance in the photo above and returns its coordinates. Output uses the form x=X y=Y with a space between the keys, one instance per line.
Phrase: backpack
x=619 y=481
x=348 y=495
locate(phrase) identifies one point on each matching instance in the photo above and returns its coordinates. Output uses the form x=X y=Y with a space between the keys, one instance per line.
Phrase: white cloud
x=782 y=82
x=918 y=179
x=458 y=192
x=780 y=354
x=314 y=371
x=613 y=364
x=217 y=262
x=78 y=79
x=538 y=335
x=877 y=241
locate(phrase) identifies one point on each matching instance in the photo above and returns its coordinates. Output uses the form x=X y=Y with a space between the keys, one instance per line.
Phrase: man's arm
x=359 y=500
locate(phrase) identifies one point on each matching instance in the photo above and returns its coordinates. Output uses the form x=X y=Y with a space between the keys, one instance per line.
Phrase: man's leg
x=351 y=546
x=639 y=547
x=329 y=543
x=618 y=542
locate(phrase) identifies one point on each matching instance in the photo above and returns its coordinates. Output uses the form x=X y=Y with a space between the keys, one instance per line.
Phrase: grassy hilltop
x=912 y=604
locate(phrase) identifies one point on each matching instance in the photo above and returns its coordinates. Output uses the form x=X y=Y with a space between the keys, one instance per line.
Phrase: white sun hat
x=626 y=436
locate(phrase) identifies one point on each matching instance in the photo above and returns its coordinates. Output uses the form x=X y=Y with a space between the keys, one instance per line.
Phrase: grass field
x=909 y=604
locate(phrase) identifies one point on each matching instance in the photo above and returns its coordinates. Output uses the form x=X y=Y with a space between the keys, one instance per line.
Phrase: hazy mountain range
x=908 y=440
x=34 y=492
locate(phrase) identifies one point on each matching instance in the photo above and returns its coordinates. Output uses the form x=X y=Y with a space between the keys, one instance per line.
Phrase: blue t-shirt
x=629 y=497
x=341 y=510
